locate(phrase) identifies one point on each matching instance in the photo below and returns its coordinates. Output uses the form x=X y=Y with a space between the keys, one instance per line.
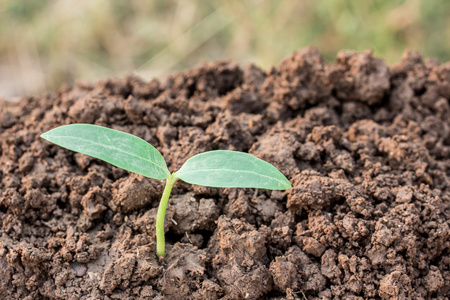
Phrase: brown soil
x=365 y=146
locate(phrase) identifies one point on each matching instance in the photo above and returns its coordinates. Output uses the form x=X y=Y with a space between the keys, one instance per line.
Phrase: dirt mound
x=365 y=146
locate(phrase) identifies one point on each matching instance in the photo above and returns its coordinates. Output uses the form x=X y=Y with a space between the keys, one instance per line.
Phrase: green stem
x=160 y=240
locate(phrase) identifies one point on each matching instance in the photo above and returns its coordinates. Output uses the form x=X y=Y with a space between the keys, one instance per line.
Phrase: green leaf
x=232 y=169
x=118 y=148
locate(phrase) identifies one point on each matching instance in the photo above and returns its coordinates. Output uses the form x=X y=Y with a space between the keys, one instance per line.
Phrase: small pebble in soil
x=79 y=268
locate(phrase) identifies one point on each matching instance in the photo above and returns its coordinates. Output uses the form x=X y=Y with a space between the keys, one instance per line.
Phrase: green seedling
x=220 y=168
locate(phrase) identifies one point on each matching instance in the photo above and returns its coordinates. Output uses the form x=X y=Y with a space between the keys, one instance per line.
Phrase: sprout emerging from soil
x=220 y=168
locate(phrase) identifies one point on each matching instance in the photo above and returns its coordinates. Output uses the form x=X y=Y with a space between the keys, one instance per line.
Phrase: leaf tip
x=287 y=185
x=48 y=134
x=44 y=135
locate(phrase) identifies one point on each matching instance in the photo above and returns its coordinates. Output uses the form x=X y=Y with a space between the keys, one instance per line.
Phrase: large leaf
x=223 y=168
x=118 y=148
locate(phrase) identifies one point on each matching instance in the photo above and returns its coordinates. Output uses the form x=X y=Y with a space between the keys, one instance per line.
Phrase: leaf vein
x=230 y=170
x=113 y=148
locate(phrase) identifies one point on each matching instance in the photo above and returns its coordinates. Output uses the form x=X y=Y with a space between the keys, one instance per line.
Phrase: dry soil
x=366 y=148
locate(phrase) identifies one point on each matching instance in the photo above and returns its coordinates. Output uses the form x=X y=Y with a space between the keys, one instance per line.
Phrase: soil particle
x=184 y=273
x=301 y=80
x=278 y=148
x=360 y=77
x=230 y=133
x=295 y=270
x=191 y=215
x=365 y=146
x=281 y=232
x=193 y=140
x=135 y=192
x=239 y=258
x=394 y=286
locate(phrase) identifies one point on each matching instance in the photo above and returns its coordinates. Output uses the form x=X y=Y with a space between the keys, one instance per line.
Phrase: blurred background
x=44 y=43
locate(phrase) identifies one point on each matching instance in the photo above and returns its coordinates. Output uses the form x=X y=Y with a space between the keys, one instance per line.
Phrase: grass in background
x=45 y=43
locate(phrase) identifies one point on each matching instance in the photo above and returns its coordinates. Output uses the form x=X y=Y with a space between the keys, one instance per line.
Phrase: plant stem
x=160 y=240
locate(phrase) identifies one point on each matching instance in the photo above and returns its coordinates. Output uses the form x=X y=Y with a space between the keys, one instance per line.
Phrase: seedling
x=220 y=168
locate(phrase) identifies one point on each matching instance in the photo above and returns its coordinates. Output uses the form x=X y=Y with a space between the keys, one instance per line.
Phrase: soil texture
x=366 y=148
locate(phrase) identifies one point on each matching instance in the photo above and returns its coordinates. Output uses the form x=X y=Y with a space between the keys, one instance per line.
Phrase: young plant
x=220 y=168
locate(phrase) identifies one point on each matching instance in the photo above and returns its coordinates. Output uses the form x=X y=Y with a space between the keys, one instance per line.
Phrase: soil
x=365 y=146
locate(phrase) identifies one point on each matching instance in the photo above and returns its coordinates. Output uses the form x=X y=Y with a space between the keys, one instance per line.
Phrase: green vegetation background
x=44 y=43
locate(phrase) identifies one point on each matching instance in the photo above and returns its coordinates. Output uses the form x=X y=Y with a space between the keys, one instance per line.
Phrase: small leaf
x=232 y=169
x=118 y=148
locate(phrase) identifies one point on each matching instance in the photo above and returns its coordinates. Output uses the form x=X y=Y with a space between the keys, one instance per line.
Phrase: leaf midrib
x=113 y=148
x=230 y=170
